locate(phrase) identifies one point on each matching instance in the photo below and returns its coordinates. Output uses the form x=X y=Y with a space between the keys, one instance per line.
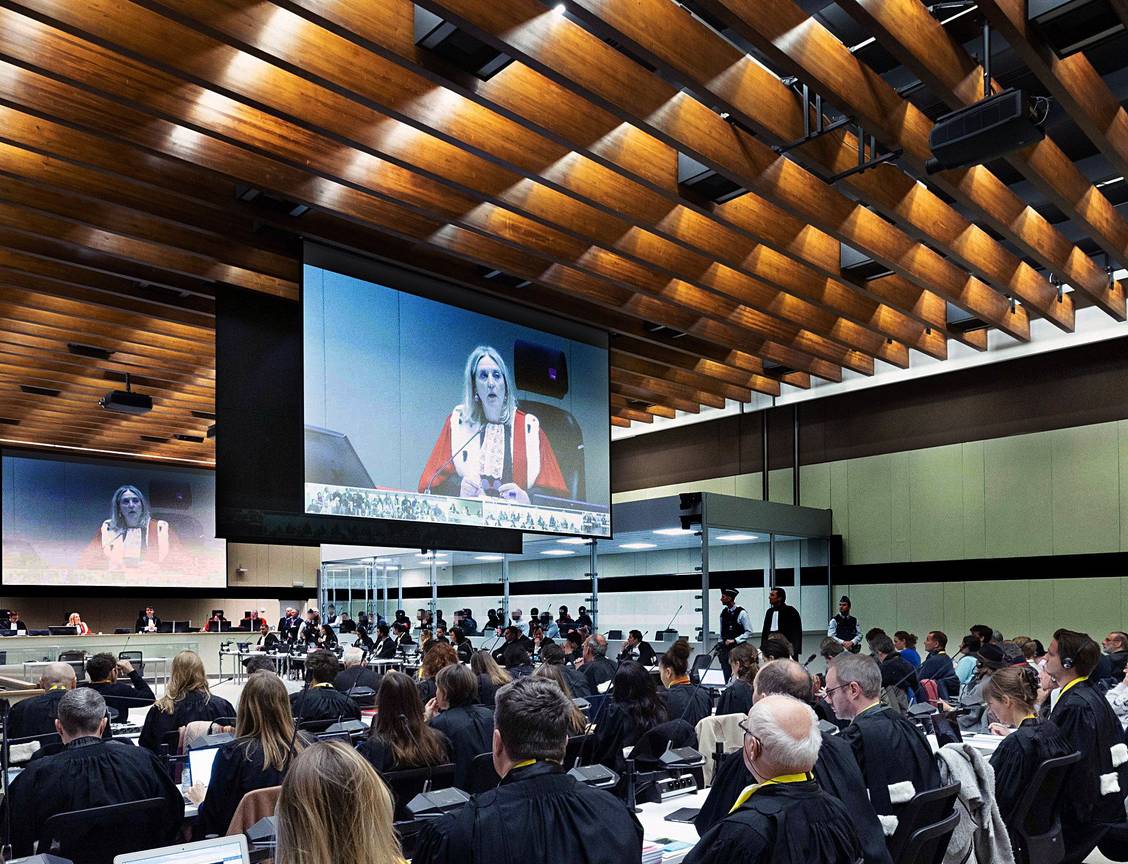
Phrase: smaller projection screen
x=419 y=409
x=107 y=523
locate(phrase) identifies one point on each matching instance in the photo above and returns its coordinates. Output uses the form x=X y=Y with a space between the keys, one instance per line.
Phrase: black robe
x=898 y=672
x=1015 y=760
x=836 y=773
x=1088 y=724
x=487 y=690
x=124 y=695
x=644 y=650
x=196 y=705
x=35 y=716
x=736 y=698
x=237 y=770
x=785 y=823
x=385 y=649
x=615 y=729
x=379 y=753
x=576 y=682
x=790 y=625
x=426 y=688
x=598 y=671
x=322 y=702
x=891 y=750
x=688 y=702
x=464 y=650
x=470 y=730
x=89 y=773
x=537 y=813
x=356 y=676
x=142 y=624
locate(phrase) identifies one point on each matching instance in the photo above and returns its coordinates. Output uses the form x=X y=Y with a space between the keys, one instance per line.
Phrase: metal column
x=594 y=574
x=433 y=604
x=505 y=589
x=705 y=646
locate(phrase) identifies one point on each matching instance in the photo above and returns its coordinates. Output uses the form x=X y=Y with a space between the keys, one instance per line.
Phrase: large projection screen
x=90 y=523
x=417 y=408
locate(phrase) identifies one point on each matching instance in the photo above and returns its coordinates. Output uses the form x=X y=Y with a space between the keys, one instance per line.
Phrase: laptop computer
x=200 y=763
x=218 y=850
x=713 y=678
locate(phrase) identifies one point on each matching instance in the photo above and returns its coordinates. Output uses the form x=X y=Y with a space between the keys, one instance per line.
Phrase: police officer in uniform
x=735 y=624
x=843 y=627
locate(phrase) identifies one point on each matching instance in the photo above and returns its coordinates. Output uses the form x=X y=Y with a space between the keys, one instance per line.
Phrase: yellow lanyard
x=523 y=764
x=749 y=791
x=1070 y=684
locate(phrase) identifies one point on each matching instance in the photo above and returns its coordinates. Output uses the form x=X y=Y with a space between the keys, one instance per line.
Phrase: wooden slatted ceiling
x=125 y=128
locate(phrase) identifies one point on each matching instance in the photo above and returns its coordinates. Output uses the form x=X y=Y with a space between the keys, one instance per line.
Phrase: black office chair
x=406 y=784
x=137 y=658
x=1035 y=825
x=408 y=832
x=483 y=777
x=928 y=845
x=76 y=660
x=578 y=751
x=614 y=635
x=917 y=826
x=97 y=835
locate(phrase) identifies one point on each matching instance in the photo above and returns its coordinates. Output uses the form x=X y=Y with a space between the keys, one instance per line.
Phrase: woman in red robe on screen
x=503 y=453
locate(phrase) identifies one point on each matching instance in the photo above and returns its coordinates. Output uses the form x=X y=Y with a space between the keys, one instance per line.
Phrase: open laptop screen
x=218 y=850
x=200 y=763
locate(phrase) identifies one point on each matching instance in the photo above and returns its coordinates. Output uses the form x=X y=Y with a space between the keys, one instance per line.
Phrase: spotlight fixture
x=127 y=402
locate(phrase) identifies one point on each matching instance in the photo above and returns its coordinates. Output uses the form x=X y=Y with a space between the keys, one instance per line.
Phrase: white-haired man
x=784 y=817
x=355 y=673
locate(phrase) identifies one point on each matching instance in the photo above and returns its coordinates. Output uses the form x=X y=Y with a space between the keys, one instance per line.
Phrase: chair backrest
x=482 y=774
x=653 y=743
x=408 y=832
x=252 y=807
x=567 y=438
x=76 y=660
x=97 y=835
x=700 y=664
x=614 y=635
x=405 y=784
x=925 y=810
x=1035 y=824
x=927 y=845
x=316 y=726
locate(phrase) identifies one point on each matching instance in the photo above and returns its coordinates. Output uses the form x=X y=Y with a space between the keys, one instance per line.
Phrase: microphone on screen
x=450 y=460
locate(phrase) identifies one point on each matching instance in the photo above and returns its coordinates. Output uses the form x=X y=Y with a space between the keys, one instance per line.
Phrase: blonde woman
x=80 y=627
x=186 y=698
x=490 y=676
x=256 y=759
x=335 y=809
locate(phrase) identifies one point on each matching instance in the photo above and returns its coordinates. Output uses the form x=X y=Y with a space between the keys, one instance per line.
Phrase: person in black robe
x=684 y=699
x=1010 y=695
x=103 y=670
x=896 y=671
x=320 y=701
x=347 y=625
x=1098 y=783
x=583 y=619
x=895 y=758
x=783 y=619
x=355 y=674
x=631 y=708
x=90 y=772
x=194 y=705
x=462 y=646
x=147 y=622
x=538 y=812
x=384 y=646
x=33 y=717
x=256 y=759
x=553 y=655
x=597 y=668
x=784 y=818
x=456 y=713
x=836 y=772
x=744 y=664
x=636 y=649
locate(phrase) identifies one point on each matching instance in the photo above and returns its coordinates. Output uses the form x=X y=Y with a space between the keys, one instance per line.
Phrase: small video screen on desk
x=421 y=410
x=108 y=523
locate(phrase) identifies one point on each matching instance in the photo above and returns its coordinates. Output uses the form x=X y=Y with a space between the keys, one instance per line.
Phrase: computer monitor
x=218 y=850
x=62 y=630
x=200 y=763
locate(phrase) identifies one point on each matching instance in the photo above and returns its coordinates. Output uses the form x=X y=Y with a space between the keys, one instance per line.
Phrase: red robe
x=440 y=467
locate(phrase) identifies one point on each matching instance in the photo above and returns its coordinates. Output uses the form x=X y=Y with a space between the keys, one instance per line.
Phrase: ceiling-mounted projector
x=126 y=401
x=990 y=128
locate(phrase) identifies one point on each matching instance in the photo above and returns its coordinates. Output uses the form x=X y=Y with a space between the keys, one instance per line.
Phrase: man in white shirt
x=523 y=626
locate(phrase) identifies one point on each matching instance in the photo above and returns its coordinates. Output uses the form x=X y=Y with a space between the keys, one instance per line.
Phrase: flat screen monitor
x=217 y=850
x=108 y=523
x=432 y=404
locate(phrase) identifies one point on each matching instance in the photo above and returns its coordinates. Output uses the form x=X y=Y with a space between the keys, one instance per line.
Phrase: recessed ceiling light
x=489 y=557
x=736 y=538
x=430 y=555
x=575 y=541
x=673 y=532
x=557 y=552
x=638 y=545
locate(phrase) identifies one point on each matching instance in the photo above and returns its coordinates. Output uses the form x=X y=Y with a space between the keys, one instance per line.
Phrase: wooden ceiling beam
x=669 y=388
x=621 y=422
x=801 y=45
x=618 y=400
x=637 y=393
x=96 y=371
x=510 y=227
x=576 y=58
x=631 y=414
x=626 y=362
x=943 y=64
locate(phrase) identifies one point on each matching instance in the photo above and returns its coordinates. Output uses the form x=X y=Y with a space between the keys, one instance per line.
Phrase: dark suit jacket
x=143 y=622
x=790 y=625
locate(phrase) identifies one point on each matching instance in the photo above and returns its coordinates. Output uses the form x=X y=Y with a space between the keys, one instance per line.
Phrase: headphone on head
x=1066 y=662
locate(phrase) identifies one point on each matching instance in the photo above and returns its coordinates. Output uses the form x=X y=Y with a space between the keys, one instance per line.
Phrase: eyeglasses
x=830 y=690
x=743 y=724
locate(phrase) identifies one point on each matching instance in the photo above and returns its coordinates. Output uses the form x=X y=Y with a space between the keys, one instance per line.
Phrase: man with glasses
x=781 y=744
x=895 y=757
x=836 y=772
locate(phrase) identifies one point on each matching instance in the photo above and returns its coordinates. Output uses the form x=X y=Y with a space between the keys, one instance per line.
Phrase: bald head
x=786 y=677
x=57 y=675
x=784 y=737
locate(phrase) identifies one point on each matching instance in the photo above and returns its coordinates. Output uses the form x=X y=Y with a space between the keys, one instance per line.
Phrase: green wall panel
x=1086 y=604
x=936 y=503
x=974 y=505
x=900 y=526
x=870 y=518
x=1018 y=488
x=1086 y=494
x=814 y=486
x=839 y=501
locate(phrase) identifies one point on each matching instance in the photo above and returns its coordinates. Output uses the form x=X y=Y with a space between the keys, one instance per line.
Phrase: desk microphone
x=428 y=803
x=810 y=660
x=450 y=460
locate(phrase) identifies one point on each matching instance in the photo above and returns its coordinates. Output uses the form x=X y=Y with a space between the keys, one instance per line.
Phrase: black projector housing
x=127 y=402
x=986 y=130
